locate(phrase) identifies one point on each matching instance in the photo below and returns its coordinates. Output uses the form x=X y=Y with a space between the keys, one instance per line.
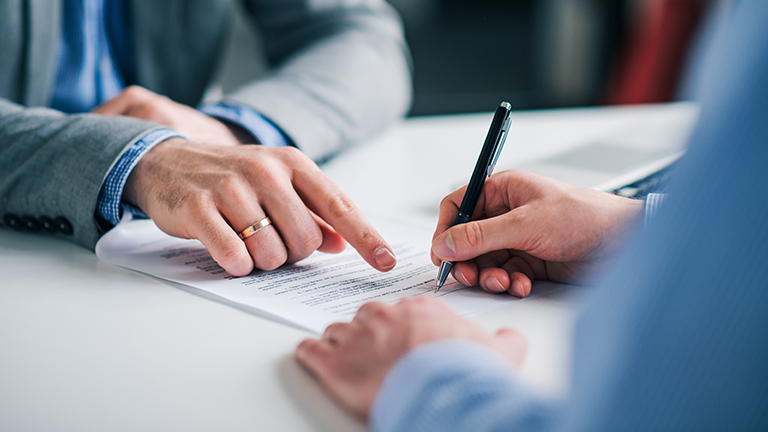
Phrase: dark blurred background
x=469 y=55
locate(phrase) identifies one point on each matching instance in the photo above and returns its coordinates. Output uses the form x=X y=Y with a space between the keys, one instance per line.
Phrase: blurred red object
x=650 y=63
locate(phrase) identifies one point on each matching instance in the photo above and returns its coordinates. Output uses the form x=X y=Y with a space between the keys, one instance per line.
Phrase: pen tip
x=438 y=285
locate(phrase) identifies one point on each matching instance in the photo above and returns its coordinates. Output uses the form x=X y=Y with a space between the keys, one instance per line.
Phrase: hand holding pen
x=489 y=155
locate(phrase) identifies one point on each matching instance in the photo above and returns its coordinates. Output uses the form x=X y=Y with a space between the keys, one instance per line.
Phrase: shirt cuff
x=109 y=205
x=263 y=130
x=653 y=203
x=455 y=384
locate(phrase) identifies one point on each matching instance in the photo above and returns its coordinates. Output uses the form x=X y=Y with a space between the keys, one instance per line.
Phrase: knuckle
x=473 y=234
x=147 y=110
x=448 y=206
x=302 y=346
x=406 y=304
x=413 y=305
x=331 y=328
x=135 y=91
x=270 y=178
x=382 y=312
x=309 y=242
x=232 y=251
x=408 y=301
x=372 y=309
x=341 y=206
x=274 y=260
x=253 y=165
x=368 y=307
x=366 y=236
x=230 y=185
x=304 y=349
x=264 y=172
x=292 y=154
x=446 y=202
x=199 y=207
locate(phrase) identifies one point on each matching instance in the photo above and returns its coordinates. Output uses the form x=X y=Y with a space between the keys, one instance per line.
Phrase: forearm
x=459 y=385
x=53 y=165
x=341 y=73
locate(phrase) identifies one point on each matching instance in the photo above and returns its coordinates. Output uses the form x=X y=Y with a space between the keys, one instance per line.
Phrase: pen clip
x=499 y=145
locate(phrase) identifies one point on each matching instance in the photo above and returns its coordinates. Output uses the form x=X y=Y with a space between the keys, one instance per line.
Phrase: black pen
x=489 y=155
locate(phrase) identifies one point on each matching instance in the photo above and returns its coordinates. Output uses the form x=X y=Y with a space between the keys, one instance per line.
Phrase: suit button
x=30 y=224
x=63 y=226
x=47 y=224
x=12 y=221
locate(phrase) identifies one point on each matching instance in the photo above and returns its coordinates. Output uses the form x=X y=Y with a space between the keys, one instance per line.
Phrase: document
x=313 y=293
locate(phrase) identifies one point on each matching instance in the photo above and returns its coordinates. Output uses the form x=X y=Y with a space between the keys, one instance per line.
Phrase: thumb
x=472 y=239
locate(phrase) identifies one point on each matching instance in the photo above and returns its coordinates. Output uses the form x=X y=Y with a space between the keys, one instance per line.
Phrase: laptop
x=625 y=161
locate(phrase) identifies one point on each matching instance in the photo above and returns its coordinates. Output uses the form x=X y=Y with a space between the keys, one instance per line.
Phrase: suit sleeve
x=341 y=71
x=52 y=165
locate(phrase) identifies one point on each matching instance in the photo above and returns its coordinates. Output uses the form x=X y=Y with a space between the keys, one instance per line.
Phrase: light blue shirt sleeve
x=454 y=384
x=109 y=205
x=263 y=130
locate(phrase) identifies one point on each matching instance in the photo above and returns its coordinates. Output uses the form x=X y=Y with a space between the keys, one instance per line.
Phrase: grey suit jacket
x=340 y=71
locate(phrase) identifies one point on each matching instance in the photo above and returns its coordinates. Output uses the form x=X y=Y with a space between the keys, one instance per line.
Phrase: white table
x=90 y=347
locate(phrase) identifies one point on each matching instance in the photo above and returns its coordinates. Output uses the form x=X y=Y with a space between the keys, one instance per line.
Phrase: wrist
x=110 y=204
x=620 y=221
x=139 y=183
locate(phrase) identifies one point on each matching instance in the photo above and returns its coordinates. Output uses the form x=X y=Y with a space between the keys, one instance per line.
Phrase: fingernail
x=517 y=288
x=460 y=277
x=384 y=258
x=493 y=284
x=443 y=247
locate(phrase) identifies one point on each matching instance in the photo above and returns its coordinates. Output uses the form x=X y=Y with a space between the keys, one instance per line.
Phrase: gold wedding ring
x=253 y=229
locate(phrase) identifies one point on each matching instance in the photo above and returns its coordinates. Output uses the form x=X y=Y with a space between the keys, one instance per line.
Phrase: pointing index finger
x=327 y=200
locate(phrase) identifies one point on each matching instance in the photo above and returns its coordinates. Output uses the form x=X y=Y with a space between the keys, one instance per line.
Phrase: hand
x=141 y=103
x=351 y=360
x=530 y=227
x=211 y=193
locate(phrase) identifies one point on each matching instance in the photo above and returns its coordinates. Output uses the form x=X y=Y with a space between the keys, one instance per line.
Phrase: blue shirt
x=676 y=335
x=95 y=62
